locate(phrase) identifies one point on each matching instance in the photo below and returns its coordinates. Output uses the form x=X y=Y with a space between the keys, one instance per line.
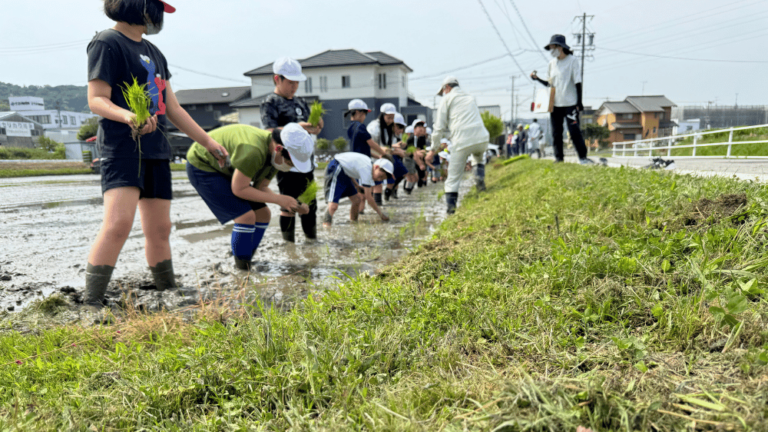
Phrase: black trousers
x=294 y=184
x=569 y=115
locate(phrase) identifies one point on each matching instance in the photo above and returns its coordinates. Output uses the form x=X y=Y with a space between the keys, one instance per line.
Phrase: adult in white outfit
x=458 y=119
x=534 y=135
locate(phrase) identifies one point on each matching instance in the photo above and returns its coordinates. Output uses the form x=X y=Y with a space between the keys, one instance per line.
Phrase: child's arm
x=375 y=147
x=264 y=187
x=100 y=103
x=241 y=187
x=372 y=203
x=182 y=120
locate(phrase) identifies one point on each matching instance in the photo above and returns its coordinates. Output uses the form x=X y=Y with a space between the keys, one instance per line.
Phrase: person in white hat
x=345 y=175
x=255 y=157
x=420 y=140
x=398 y=157
x=382 y=132
x=361 y=139
x=459 y=118
x=279 y=109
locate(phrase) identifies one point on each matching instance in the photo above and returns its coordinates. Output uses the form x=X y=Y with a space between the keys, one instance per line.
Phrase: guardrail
x=645 y=148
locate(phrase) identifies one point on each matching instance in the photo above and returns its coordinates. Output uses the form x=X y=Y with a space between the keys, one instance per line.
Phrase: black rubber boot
x=288 y=228
x=479 y=172
x=451 y=198
x=309 y=222
x=377 y=198
x=242 y=264
x=96 y=281
x=394 y=190
x=387 y=194
x=163 y=275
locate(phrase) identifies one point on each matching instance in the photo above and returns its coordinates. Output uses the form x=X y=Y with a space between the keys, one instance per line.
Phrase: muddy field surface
x=47 y=226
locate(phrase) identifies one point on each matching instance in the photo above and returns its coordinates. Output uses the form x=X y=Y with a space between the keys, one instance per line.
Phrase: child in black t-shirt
x=135 y=173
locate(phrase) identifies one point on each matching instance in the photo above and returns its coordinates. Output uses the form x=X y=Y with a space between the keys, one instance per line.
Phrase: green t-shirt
x=248 y=149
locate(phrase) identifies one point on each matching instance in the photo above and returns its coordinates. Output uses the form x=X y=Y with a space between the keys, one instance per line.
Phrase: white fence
x=646 y=148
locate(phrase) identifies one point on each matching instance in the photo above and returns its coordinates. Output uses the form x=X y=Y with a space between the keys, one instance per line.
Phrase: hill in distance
x=69 y=97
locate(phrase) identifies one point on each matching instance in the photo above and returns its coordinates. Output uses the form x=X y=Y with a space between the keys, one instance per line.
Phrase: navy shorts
x=337 y=184
x=216 y=190
x=151 y=176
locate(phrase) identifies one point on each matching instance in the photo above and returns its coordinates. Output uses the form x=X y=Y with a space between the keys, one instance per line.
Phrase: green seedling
x=316 y=112
x=138 y=100
x=309 y=194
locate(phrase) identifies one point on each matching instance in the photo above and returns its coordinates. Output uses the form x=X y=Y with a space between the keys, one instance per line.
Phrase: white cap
x=417 y=121
x=289 y=68
x=399 y=119
x=444 y=155
x=299 y=145
x=357 y=104
x=450 y=79
x=388 y=108
x=409 y=130
x=385 y=165
x=444 y=141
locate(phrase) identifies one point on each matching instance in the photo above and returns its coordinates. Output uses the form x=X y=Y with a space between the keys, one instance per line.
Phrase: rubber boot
x=377 y=199
x=309 y=222
x=288 y=228
x=394 y=191
x=243 y=264
x=96 y=281
x=479 y=172
x=163 y=275
x=451 y=198
x=387 y=194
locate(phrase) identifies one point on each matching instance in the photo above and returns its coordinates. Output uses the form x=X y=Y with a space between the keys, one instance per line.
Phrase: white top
x=375 y=130
x=458 y=119
x=357 y=166
x=563 y=76
x=534 y=131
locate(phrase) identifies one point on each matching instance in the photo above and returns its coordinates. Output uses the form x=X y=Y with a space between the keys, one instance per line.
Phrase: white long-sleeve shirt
x=458 y=119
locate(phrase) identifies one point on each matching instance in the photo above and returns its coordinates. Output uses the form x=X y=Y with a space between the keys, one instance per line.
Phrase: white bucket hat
x=300 y=146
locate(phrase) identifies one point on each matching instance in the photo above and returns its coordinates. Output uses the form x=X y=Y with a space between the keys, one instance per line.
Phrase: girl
x=131 y=175
x=565 y=76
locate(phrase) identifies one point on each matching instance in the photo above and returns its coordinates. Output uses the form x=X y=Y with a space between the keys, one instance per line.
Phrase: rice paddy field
x=563 y=297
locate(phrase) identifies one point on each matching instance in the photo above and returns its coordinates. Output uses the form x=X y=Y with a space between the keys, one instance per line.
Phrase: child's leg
x=156 y=224
x=357 y=203
x=119 y=211
x=247 y=234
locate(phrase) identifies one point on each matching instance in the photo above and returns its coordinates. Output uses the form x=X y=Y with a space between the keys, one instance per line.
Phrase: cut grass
x=614 y=299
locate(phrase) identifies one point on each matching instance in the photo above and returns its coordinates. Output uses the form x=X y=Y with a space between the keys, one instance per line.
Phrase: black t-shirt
x=278 y=111
x=117 y=60
x=418 y=142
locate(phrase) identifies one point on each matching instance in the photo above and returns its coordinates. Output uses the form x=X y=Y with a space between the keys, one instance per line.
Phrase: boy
x=346 y=175
x=256 y=156
x=362 y=142
x=131 y=176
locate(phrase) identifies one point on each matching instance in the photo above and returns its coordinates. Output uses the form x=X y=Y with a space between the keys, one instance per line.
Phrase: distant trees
x=88 y=129
x=595 y=132
x=69 y=98
x=493 y=124
x=340 y=144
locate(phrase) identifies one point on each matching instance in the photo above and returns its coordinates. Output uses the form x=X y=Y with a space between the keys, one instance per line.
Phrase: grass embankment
x=759 y=134
x=32 y=169
x=10 y=153
x=611 y=298
x=178 y=167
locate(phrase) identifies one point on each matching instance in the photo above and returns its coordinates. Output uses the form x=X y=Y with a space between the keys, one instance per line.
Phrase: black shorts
x=151 y=176
x=294 y=184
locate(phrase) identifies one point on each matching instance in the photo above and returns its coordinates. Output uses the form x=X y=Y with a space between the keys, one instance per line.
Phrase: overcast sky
x=43 y=42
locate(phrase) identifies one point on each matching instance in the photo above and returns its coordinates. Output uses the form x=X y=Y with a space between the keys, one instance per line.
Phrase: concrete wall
x=250 y=116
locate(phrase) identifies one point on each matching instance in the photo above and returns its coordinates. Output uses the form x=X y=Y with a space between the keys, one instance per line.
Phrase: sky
x=692 y=51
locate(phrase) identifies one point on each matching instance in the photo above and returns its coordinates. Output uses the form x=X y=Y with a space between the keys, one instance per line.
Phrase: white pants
x=458 y=162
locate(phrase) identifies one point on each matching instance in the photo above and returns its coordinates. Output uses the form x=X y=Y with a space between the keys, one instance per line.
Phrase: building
x=18 y=131
x=33 y=108
x=335 y=77
x=206 y=107
x=687 y=126
x=495 y=110
x=720 y=116
x=637 y=117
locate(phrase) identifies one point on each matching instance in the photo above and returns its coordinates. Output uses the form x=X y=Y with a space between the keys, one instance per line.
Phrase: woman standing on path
x=565 y=77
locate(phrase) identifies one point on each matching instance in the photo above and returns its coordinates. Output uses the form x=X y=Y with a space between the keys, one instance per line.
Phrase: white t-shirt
x=563 y=76
x=374 y=129
x=357 y=166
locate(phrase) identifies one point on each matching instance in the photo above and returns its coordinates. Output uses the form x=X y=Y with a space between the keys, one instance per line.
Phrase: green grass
x=12 y=173
x=14 y=153
x=615 y=299
x=179 y=167
x=321 y=165
x=758 y=134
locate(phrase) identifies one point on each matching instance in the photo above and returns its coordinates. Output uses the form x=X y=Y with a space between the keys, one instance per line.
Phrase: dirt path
x=47 y=226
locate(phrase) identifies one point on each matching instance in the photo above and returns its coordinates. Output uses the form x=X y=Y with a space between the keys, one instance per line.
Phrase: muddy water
x=47 y=226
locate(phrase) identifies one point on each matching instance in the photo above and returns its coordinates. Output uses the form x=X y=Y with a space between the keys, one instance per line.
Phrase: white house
x=335 y=77
x=33 y=108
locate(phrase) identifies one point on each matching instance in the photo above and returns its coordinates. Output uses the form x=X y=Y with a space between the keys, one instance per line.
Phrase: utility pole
x=583 y=45
x=513 y=110
x=582 y=38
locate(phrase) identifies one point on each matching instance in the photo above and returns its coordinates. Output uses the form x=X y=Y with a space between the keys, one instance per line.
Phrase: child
x=419 y=140
x=362 y=142
x=398 y=153
x=133 y=176
x=346 y=175
x=255 y=156
x=382 y=133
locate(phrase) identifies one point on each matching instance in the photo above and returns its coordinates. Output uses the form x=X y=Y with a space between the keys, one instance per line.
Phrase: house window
x=308 y=85
x=661 y=116
x=64 y=120
x=2 y=131
x=382 y=81
x=403 y=79
x=191 y=107
x=35 y=132
x=209 y=107
x=323 y=83
x=654 y=130
x=629 y=137
x=217 y=115
x=345 y=81
x=73 y=120
x=627 y=116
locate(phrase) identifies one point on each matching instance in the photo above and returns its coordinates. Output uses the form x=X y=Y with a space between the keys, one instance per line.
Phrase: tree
x=493 y=124
x=323 y=144
x=51 y=146
x=88 y=129
x=340 y=144
x=4 y=106
x=595 y=132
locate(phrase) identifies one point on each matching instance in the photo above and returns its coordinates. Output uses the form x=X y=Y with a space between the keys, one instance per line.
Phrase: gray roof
x=627 y=125
x=650 y=103
x=212 y=95
x=257 y=101
x=620 y=107
x=336 y=58
x=21 y=118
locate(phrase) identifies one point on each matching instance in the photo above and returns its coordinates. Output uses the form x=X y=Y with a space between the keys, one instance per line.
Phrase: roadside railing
x=647 y=147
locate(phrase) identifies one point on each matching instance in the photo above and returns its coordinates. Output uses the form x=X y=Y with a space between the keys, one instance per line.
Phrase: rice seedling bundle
x=309 y=194
x=316 y=112
x=138 y=100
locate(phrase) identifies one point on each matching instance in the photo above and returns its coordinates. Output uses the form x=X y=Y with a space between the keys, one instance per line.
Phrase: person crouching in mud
x=347 y=173
x=256 y=156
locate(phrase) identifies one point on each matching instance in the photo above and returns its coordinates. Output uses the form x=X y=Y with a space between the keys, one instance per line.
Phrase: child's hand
x=150 y=126
x=218 y=151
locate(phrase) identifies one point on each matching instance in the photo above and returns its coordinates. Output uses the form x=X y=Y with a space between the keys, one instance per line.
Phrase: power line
x=683 y=58
x=459 y=68
x=501 y=38
x=207 y=74
x=525 y=26
x=44 y=46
